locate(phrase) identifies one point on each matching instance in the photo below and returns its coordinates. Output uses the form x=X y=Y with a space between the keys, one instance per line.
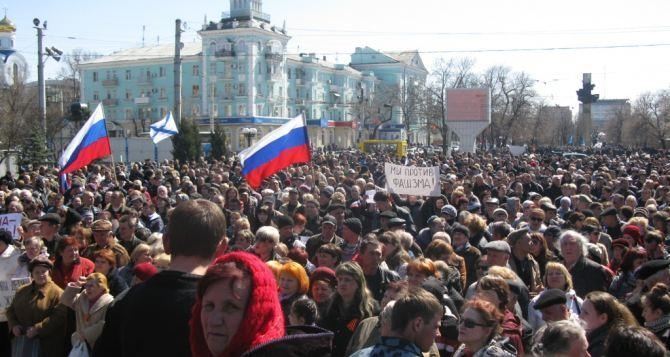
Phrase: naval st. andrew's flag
x=90 y=143
x=163 y=129
x=284 y=146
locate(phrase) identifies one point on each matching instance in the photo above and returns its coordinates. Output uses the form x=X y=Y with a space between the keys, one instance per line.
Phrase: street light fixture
x=249 y=133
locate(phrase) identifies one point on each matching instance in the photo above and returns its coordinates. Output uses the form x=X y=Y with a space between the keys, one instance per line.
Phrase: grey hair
x=385 y=315
x=268 y=233
x=556 y=338
x=443 y=236
x=581 y=240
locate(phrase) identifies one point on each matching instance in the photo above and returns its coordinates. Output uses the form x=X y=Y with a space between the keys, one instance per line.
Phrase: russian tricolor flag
x=90 y=143
x=281 y=148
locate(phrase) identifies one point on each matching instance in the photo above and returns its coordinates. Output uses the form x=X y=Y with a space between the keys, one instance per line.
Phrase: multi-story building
x=240 y=76
x=604 y=110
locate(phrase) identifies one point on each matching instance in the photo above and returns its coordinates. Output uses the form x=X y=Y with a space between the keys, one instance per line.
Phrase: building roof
x=410 y=58
x=148 y=53
x=6 y=25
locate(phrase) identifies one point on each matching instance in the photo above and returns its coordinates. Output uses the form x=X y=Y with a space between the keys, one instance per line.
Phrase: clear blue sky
x=439 y=28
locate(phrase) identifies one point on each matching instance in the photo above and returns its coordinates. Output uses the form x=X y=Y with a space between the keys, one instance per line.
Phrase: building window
x=129 y=114
x=288 y=73
x=96 y=96
x=163 y=112
x=196 y=90
x=196 y=70
x=242 y=89
x=229 y=110
x=227 y=90
x=196 y=109
x=129 y=75
x=259 y=109
x=95 y=76
x=162 y=94
x=215 y=109
x=241 y=110
x=128 y=95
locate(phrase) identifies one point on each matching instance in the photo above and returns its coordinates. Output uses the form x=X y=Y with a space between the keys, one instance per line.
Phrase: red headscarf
x=264 y=320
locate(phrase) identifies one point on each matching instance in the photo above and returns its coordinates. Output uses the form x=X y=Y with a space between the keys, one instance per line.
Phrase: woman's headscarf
x=264 y=319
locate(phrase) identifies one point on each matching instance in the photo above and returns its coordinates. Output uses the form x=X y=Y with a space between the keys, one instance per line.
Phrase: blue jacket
x=390 y=346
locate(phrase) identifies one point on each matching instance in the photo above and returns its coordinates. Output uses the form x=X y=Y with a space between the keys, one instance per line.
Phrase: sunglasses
x=471 y=324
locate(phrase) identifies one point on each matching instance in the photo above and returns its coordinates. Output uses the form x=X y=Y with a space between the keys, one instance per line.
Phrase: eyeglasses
x=472 y=324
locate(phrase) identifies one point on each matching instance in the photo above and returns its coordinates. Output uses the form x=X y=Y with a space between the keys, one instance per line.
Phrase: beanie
x=323 y=274
x=633 y=231
x=354 y=224
x=144 y=271
x=264 y=319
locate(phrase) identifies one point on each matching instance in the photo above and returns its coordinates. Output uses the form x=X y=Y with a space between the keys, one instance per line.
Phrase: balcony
x=110 y=102
x=224 y=53
x=144 y=81
x=110 y=82
x=142 y=100
x=273 y=57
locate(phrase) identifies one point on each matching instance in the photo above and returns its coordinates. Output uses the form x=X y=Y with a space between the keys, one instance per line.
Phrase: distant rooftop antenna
x=143 y=30
x=158 y=40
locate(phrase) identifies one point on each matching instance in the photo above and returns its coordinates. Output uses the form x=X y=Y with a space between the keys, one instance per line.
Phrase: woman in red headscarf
x=235 y=285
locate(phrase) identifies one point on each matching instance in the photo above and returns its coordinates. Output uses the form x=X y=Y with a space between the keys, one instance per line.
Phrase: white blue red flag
x=281 y=148
x=90 y=143
x=163 y=129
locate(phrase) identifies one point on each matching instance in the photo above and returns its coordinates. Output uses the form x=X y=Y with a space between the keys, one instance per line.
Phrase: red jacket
x=511 y=326
x=62 y=275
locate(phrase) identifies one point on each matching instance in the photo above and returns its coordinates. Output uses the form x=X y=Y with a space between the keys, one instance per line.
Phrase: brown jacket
x=122 y=257
x=90 y=319
x=41 y=308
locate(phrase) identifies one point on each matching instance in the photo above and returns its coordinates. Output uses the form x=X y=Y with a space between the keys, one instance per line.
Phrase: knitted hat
x=144 y=271
x=323 y=274
x=457 y=227
x=633 y=231
x=264 y=319
x=354 y=224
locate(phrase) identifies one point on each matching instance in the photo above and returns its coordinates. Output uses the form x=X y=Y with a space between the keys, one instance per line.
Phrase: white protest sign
x=10 y=222
x=8 y=289
x=412 y=180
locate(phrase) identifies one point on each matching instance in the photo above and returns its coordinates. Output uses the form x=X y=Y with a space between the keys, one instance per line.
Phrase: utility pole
x=40 y=78
x=177 y=71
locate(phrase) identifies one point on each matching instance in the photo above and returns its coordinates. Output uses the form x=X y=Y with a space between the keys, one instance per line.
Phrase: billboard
x=469 y=105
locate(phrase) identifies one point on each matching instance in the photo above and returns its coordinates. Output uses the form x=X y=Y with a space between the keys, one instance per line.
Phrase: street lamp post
x=249 y=133
x=52 y=52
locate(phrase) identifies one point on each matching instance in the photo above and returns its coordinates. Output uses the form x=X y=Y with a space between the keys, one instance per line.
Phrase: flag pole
x=116 y=180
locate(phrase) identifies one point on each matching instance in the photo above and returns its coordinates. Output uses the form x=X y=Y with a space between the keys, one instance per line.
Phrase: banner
x=10 y=222
x=412 y=180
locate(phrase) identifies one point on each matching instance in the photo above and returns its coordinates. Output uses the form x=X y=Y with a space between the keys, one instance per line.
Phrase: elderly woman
x=587 y=275
x=236 y=286
x=293 y=285
x=89 y=305
x=267 y=238
x=141 y=254
x=495 y=290
x=36 y=316
x=479 y=331
x=69 y=266
x=34 y=247
x=556 y=276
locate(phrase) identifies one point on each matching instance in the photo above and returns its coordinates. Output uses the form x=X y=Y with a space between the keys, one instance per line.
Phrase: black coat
x=596 y=340
x=588 y=276
x=150 y=319
x=299 y=341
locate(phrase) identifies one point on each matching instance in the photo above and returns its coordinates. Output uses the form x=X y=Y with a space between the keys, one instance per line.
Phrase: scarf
x=658 y=325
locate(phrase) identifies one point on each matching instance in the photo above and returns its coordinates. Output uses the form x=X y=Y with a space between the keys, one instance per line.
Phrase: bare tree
x=653 y=112
x=512 y=97
x=372 y=106
x=71 y=71
x=18 y=116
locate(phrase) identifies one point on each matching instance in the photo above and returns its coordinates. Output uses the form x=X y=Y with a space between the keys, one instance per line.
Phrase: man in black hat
x=611 y=222
x=285 y=226
x=327 y=235
x=49 y=226
x=384 y=203
x=551 y=303
x=383 y=219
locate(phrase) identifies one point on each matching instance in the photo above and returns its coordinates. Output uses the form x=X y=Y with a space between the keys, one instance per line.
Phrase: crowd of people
x=532 y=255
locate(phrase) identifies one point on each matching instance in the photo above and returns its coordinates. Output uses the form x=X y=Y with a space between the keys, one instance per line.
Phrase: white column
x=251 y=83
x=204 y=108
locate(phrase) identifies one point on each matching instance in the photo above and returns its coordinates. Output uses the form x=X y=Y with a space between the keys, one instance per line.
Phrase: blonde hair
x=99 y=279
x=503 y=272
x=476 y=223
x=141 y=248
x=560 y=267
x=640 y=222
x=162 y=261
